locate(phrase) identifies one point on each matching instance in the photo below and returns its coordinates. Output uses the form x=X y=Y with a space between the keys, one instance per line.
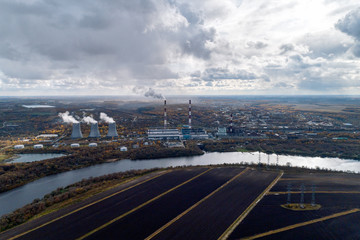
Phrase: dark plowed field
x=322 y=182
x=85 y=220
x=344 y=227
x=261 y=218
x=145 y=221
x=211 y=218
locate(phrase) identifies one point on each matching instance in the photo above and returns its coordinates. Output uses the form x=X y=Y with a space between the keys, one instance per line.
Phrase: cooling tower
x=76 y=131
x=94 y=132
x=112 y=130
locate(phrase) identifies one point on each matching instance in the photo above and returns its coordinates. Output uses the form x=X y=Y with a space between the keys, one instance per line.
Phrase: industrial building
x=193 y=134
x=163 y=134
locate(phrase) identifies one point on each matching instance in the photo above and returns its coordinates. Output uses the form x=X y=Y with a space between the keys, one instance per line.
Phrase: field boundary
x=140 y=206
x=299 y=192
x=194 y=206
x=236 y=223
x=290 y=227
x=83 y=207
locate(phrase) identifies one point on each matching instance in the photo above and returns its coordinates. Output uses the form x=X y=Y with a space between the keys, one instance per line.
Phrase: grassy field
x=4 y=157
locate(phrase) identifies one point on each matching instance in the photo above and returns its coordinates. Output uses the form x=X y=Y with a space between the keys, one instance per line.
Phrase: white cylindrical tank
x=19 y=146
x=92 y=144
x=37 y=146
x=75 y=145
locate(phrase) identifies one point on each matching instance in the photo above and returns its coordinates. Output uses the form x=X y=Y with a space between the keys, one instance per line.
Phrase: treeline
x=346 y=149
x=15 y=175
x=23 y=214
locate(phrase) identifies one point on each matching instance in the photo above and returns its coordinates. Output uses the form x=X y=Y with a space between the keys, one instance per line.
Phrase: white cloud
x=179 y=46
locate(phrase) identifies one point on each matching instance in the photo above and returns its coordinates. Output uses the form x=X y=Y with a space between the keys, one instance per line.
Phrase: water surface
x=32 y=157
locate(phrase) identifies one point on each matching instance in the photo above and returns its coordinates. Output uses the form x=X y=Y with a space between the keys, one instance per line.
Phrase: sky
x=179 y=47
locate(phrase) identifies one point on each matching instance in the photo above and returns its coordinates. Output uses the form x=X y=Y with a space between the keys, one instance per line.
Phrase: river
x=20 y=196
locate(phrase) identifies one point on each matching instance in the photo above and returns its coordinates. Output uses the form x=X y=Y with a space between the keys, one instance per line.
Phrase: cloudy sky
x=122 y=47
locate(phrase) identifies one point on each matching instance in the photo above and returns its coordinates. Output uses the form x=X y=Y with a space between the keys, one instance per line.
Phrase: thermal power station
x=112 y=130
x=186 y=133
x=76 y=131
x=94 y=132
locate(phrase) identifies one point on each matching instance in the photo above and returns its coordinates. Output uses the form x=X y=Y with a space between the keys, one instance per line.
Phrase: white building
x=92 y=144
x=19 y=146
x=37 y=146
x=73 y=145
x=123 y=149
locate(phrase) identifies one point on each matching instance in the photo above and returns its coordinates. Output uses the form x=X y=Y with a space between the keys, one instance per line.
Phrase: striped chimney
x=165 y=116
x=189 y=113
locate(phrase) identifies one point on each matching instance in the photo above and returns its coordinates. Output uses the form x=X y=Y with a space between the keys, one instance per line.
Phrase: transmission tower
x=302 y=189
x=313 y=195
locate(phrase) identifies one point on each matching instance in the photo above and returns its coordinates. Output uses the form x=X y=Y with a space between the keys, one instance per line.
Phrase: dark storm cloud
x=350 y=25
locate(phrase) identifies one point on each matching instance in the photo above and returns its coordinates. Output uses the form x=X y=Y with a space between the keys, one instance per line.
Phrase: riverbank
x=16 y=175
x=344 y=149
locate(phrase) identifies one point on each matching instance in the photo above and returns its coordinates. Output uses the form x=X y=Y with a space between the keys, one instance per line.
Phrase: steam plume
x=106 y=118
x=88 y=120
x=68 y=118
x=148 y=92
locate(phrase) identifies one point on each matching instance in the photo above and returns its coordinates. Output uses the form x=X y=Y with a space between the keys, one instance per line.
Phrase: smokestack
x=112 y=130
x=189 y=113
x=231 y=123
x=165 y=122
x=76 y=131
x=94 y=132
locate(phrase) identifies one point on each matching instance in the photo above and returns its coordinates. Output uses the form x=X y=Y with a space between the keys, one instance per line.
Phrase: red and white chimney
x=189 y=113
x=165 y=116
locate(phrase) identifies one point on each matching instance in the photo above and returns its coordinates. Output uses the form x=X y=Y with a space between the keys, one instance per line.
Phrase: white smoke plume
x=68 y=118
x=106 y=118
x=148 y=92
x=88 y=120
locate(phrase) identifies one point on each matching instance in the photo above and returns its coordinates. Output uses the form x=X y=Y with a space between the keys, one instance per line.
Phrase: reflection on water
x=32 y=157
x=18 y=197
